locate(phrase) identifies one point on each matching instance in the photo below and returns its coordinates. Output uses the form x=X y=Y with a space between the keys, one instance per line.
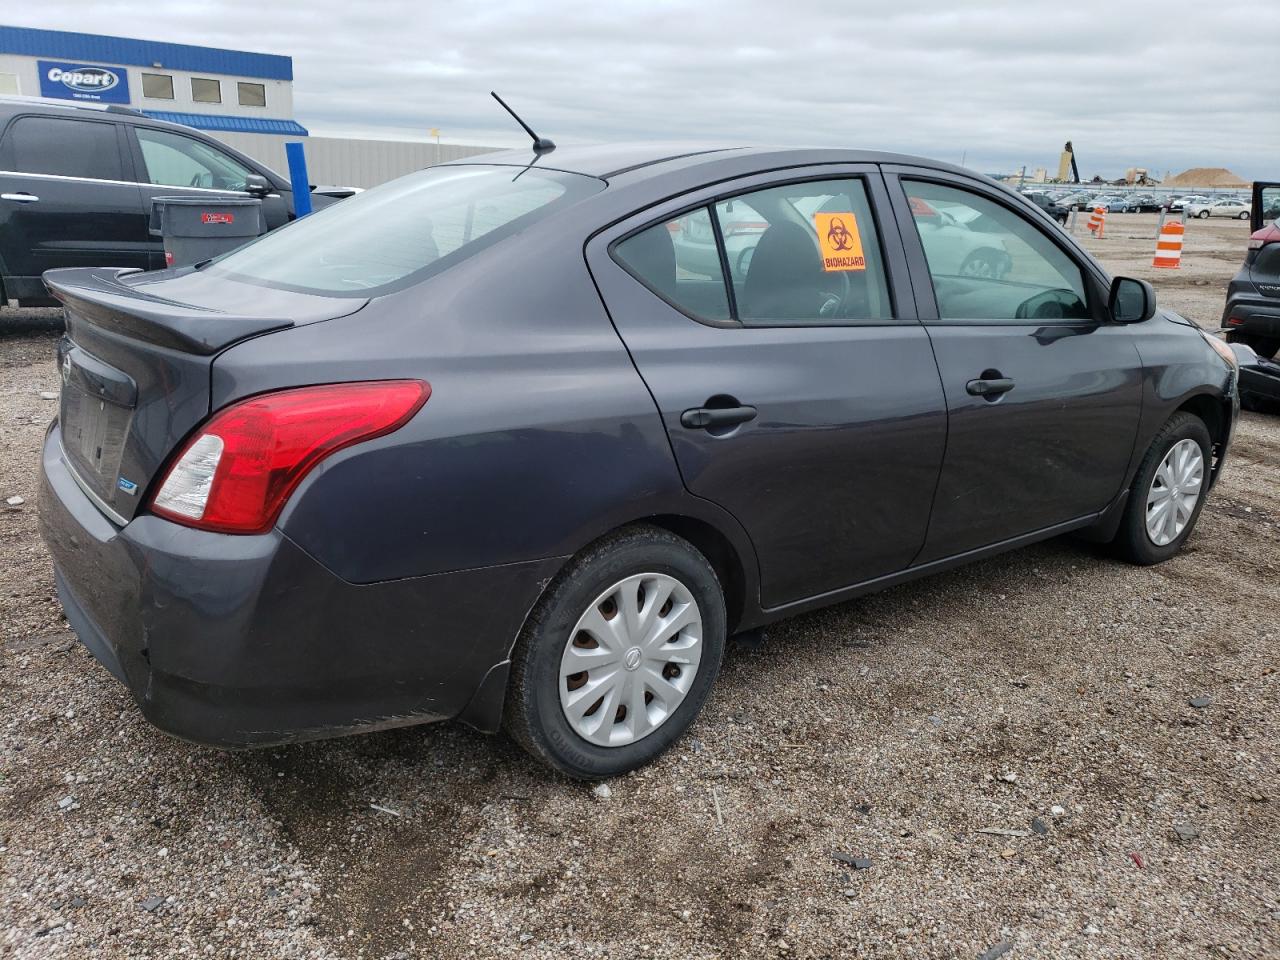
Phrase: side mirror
x=257 y=185
x=1131 y=301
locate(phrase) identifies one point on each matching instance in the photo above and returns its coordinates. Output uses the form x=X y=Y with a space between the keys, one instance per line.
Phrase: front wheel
x=1167 y=493
x=619 y=656
x=1244 y=215
x=1204 y=214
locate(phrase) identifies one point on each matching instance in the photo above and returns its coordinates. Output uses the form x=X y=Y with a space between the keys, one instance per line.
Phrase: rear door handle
x=19 y=197
x=709 y=418
x=989 y=388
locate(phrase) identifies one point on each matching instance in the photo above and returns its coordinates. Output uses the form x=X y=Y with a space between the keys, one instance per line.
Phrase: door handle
x=19 y=197
x=989 y=388
x=711 y=418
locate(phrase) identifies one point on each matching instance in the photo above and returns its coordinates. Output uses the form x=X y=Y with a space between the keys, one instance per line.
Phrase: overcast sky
x=1164 y=85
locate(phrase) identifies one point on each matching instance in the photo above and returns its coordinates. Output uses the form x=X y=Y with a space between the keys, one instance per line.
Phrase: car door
x=801 y=396
x=67 y=199
x=1042 y=392
x=176 y=165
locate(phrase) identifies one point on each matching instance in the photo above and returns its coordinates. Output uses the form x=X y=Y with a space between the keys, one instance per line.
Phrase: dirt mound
x=1206 y=177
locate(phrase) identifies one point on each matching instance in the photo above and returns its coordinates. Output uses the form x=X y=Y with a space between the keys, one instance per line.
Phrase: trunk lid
x=135 y=365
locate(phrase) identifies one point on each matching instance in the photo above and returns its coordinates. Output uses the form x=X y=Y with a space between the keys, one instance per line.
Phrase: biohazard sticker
x=839 y=242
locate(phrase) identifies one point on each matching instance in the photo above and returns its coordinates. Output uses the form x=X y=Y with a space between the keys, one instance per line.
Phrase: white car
x=956 y=243
x=1230 y=207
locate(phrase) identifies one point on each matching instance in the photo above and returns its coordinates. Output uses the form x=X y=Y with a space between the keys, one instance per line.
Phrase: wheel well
x=713 y=545
x=1210 y=411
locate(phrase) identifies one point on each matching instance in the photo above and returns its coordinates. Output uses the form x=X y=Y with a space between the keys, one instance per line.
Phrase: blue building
x=223 y=91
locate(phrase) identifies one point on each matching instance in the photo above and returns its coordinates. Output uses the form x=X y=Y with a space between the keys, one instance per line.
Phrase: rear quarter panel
x=539 y=435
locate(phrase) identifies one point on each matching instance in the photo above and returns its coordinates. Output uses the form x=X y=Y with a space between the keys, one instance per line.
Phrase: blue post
x=298 y=178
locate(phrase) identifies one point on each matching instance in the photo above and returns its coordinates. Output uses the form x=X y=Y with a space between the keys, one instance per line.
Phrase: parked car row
x=77 y=181
x=1197 y=205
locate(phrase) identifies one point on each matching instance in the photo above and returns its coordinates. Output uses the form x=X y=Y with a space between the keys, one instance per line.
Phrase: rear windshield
x=393 y=235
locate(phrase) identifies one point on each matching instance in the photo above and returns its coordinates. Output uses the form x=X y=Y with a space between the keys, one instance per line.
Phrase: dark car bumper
x=1255 y=315
x=246 y=640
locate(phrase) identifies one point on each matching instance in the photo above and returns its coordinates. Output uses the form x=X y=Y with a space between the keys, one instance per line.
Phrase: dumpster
x=198 y=228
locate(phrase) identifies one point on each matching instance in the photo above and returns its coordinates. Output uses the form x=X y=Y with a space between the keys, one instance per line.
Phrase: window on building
x=65 y=148
x=8 y=83
x=177 y=161
x=157 y=86
x=205 y=91
x=252 y=94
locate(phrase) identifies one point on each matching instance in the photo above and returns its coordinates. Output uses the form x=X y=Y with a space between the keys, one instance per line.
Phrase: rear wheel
x=1167 y=493
x=619 y=656
x=1265 y=347
x=1244 y=215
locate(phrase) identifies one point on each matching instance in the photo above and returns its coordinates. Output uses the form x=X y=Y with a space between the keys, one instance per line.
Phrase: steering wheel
x=831 y=302
x=1049 y=305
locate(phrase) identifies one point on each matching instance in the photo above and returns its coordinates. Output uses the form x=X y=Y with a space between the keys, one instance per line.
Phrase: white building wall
x=337 y=161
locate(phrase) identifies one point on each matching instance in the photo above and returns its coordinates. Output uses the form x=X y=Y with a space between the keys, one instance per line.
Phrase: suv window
x=177 y=161
x=988 y=263
x=398 y=233
x=66 y=148
x=797 y=253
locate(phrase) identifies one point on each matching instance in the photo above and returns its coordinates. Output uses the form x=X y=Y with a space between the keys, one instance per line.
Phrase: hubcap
x=1175 y=489
x=631 y=659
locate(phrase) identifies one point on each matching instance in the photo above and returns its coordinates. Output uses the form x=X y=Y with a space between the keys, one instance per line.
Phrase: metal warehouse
x=243 y=98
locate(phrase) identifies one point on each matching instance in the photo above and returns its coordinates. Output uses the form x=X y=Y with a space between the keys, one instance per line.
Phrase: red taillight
x=236 y=473
x=1234 y=321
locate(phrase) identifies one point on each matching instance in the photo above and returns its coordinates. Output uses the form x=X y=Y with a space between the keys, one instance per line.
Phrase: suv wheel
x=619 y=656
x=1167 y=493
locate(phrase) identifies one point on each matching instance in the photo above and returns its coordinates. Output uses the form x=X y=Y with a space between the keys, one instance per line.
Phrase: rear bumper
x=1256 y=315
x=246 y=640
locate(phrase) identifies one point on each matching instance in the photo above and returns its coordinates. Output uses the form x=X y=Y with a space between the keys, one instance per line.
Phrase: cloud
x=999 y=84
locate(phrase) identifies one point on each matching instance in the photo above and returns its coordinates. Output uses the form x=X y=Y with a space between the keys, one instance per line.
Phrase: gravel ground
x=1047 y=692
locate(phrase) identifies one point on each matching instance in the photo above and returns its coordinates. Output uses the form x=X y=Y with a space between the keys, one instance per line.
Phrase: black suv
x=76 y=183
x=1051 y=207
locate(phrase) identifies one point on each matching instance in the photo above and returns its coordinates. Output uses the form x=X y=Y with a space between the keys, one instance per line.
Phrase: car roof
x=639 y=160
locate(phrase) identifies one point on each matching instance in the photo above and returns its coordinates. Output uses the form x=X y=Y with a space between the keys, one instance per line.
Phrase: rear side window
x=398 y=233
x=680 y=262
x=65 y=148
x=798 y=253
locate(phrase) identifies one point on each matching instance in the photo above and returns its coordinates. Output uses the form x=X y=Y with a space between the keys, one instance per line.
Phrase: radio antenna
x=540 y=145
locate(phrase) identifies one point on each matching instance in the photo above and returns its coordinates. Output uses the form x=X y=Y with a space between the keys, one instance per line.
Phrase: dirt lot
x=1045 y=692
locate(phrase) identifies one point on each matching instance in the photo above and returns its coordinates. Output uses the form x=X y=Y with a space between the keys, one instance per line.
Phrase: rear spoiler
x=98 y=295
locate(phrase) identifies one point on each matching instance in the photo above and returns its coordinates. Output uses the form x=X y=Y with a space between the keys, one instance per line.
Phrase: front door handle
x=711 y=418
x=989 y=388
x=19 y=197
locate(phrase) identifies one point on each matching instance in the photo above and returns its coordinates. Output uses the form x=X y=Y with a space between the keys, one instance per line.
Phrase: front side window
x=396 y=234
x=796 y=253
x=988 y=263
x=67 y=148
x=252 y=94
x=204 y=90
x=157 y=86
x=177 y=161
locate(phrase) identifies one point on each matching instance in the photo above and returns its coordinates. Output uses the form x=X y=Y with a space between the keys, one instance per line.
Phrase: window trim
x=168 y=76
x=214 y=80
x=711 y=194
x=1096 y=280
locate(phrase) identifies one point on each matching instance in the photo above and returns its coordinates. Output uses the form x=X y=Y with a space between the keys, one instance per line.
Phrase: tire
x=1265 y=347
x=1133 y=542
x=534 y=715
x=1244 y=215
x=1203 y=214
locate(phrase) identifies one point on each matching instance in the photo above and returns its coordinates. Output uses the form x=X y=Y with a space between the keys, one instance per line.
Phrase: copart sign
x=83 y=81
